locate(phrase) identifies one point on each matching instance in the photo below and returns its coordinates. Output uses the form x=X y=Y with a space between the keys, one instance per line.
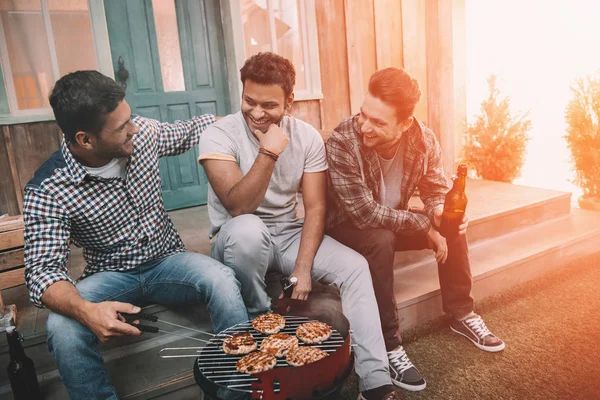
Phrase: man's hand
x=462 y=228
x=437 y=217
x=438 y=243
x=273 y=140
x=303 y=287
x=104 y=320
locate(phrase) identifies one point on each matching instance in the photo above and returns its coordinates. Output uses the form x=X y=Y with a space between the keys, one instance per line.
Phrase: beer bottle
x=455 y=205
x=21 y=372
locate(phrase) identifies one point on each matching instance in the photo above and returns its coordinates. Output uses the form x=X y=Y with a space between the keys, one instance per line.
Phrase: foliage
x=496 y=144
x=583 y=136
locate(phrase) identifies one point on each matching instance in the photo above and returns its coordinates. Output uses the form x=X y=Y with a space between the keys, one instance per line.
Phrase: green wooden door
x=135 y=37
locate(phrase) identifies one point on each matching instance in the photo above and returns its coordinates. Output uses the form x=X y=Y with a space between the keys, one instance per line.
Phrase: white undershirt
x=116 y=168
x=391 y=179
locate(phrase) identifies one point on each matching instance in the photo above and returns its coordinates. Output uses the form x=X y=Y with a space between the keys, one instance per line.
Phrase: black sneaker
x=386 y=392
x=404 y=374
x=474 y=329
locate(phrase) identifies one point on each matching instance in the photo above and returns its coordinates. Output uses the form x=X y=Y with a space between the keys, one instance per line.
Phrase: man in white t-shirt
x=256 y=162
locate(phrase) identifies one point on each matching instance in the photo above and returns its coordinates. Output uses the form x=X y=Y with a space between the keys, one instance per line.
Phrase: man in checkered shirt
x=103 y=191
x=377 y=159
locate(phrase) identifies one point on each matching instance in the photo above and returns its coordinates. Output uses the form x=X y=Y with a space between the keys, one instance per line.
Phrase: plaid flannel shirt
x=355 y=180
x=120 y=223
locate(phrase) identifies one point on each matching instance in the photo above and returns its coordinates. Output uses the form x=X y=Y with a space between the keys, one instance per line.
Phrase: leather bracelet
x=268 y=153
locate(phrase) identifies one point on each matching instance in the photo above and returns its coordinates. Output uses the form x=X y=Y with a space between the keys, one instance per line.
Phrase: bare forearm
x=246 y=195
x=63 y=298
x=312 y=236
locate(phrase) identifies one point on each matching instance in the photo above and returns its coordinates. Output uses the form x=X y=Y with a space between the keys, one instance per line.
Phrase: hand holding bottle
x=436 y=241
x=462 y=228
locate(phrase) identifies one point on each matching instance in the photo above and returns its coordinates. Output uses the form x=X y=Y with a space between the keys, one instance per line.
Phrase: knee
x=356 y=266
x=381 y=241
x=247 y=233
x=64 y=333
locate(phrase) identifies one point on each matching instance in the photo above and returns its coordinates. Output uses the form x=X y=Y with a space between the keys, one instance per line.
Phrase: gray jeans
x=250 y=248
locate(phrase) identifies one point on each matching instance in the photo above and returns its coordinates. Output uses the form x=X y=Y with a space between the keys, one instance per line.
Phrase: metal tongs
x=133 y=319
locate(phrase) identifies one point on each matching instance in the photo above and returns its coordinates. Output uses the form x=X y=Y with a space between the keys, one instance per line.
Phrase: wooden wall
x=426 y=37
x=23 y=148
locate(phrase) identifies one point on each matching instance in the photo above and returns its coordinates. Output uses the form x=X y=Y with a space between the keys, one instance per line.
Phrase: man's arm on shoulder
x=314 y=186
x=355 y=197
x=433 y=185
x=177 y=137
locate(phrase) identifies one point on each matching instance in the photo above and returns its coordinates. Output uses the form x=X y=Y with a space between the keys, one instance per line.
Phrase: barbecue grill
x=216 y=373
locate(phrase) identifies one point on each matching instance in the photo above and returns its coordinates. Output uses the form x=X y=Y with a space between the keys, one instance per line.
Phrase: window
x=288 y=28
x=40 y=41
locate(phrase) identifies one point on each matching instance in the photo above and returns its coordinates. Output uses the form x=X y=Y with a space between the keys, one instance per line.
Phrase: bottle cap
x=10 y=329
x=462 y=169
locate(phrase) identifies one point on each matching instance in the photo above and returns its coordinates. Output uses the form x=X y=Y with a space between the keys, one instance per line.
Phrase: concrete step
x=497 y=264
x=497 y=208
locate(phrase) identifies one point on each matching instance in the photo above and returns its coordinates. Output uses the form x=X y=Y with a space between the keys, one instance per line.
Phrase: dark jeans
x=378 y=246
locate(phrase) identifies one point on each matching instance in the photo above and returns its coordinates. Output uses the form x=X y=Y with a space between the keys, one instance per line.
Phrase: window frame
x=310 y=44
x=101 y=49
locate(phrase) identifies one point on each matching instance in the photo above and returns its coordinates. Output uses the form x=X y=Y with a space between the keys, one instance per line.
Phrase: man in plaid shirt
x=102 y=189
x=377 y=159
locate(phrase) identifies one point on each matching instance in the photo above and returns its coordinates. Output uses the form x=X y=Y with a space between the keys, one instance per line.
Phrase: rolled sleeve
x=216 y=144
x=47 y=230
x=433 y=185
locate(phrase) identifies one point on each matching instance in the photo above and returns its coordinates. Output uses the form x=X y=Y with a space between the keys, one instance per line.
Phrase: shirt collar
x=76 y=170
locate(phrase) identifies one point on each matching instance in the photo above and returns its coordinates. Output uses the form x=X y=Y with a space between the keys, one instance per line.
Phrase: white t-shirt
x=116 y=168
x=391 y=176
x=230 y=139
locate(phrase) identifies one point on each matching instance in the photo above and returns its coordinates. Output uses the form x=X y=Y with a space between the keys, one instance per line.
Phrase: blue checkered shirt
x=120 y=223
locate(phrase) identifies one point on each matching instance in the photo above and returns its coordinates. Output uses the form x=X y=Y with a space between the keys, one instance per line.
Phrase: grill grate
x=220 y=367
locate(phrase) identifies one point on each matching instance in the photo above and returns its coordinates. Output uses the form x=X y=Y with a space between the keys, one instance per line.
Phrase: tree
x=583 y=137
x=496 y=144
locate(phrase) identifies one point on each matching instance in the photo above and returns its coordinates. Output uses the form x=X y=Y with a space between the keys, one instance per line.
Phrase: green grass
x=551 y=327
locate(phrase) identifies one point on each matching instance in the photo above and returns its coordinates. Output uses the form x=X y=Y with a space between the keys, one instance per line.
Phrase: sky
x=536 y=48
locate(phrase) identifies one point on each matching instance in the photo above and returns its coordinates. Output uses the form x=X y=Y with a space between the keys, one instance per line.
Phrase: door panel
x=133 y=36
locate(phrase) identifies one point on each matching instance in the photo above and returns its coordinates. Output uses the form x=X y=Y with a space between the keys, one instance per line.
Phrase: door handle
x=122 y=73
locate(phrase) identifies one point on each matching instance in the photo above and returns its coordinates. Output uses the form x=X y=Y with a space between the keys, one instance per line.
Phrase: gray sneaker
x=403 y=373
x=474 y=329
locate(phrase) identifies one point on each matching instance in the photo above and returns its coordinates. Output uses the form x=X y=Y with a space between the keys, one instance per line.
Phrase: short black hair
x=81 y=101
x=395 y=87
x=270 y=69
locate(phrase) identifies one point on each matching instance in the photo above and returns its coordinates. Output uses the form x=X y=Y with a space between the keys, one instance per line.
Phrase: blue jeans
x=183 y=278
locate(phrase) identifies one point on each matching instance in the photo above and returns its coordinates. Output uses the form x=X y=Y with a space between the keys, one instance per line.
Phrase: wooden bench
x=11 y=264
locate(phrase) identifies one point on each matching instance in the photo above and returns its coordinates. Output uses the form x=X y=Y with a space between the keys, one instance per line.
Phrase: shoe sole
x=410 y=388
x=489 y=349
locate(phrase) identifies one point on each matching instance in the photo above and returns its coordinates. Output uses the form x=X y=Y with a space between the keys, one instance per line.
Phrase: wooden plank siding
x=335 y=81
x=414 y=50
x=307 y=111
x=360 y=42
x=388 y=33
x=23 y=148
x=11 y=259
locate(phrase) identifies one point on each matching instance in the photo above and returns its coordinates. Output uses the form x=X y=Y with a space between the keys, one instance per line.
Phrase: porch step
x=497 y=208
x=135 y=368
x=497 y=264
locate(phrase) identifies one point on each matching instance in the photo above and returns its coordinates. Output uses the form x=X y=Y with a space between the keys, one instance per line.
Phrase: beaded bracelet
x=268 y=153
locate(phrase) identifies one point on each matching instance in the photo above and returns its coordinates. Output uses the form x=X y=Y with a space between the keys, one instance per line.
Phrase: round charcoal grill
x=216 y=373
